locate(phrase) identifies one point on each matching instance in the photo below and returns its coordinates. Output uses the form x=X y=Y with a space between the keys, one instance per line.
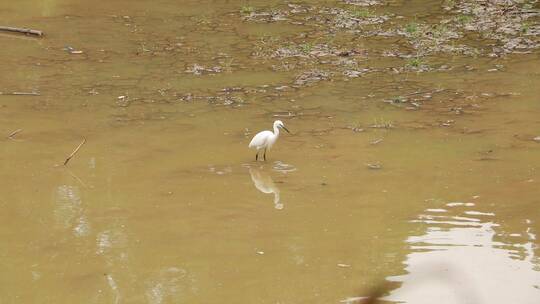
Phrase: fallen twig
x=21 y=30
x=10 y=136
x=25 y=93
x=74 y=151
x=20 y=93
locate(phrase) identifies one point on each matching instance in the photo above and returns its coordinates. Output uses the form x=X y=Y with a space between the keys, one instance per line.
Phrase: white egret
x=266 y=139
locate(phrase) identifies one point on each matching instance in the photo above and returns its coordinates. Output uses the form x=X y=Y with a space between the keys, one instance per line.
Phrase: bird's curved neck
x=276 y=131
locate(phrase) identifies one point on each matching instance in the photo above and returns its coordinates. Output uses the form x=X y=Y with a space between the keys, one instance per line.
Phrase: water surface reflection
x=264 y=183
x=461 y=259
x=69 y=212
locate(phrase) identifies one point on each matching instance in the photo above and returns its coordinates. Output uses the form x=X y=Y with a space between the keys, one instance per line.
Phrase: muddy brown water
x=165 y=203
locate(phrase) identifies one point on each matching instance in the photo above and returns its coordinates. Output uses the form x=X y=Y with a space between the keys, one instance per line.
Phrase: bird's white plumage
x=264 y=140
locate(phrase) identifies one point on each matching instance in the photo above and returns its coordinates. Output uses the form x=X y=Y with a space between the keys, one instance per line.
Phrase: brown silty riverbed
x=412 y=162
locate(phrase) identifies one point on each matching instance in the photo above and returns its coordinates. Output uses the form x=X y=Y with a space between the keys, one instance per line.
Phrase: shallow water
x=165 y=203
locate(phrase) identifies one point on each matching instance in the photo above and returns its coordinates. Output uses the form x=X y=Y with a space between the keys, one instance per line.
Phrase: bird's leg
x=257 y=156
x=265 y=154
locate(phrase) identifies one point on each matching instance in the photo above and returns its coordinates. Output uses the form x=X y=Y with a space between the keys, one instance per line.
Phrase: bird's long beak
x=285 y=129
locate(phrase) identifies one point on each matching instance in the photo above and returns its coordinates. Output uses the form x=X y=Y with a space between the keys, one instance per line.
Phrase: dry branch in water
x=21 y=30
x=74 y=151
x=10 y=136
x=20 y=93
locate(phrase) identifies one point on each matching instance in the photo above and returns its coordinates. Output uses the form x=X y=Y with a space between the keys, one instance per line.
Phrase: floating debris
x=12 y=134
x=375 y=166
x=21 y=93
x=74 y=152
x=355 y=73
x=71 y=50
x=310 y=77
x=363 y=2
x=436 y=210
x=197 y=69
x=456 y=204
x=472 y=212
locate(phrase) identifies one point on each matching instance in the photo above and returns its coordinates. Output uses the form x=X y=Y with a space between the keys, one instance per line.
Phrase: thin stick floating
x=25 y=93
x=20 y=93
x=21 y=30
x=10 y=136
x=75 y=151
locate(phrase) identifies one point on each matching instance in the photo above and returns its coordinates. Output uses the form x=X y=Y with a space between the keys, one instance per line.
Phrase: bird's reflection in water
x=264 y=183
